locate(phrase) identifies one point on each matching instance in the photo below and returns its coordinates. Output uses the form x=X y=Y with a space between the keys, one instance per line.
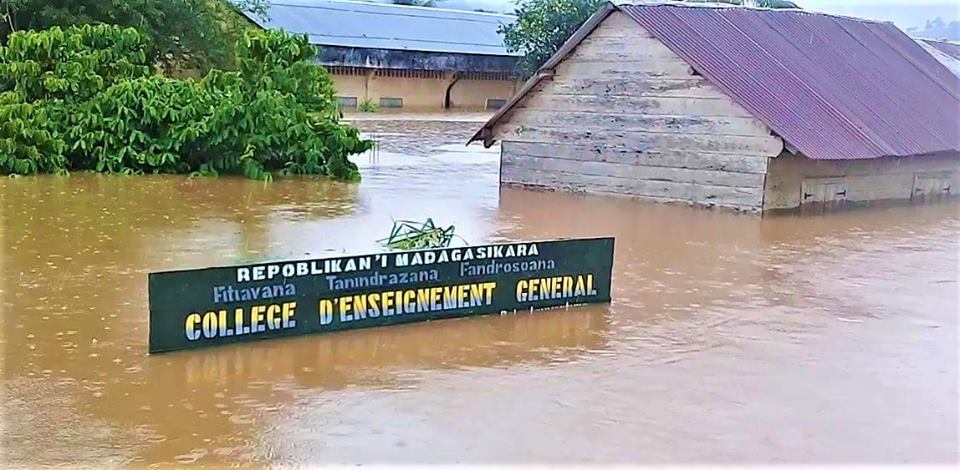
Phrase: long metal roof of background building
x=951 y=49
x=832 y=87
x=382 y=26
x=950 y=60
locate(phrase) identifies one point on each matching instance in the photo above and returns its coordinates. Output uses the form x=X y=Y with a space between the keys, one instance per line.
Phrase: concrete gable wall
x=624 y=115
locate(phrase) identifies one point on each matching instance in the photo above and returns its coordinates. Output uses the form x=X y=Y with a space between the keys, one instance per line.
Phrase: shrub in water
x=84 y=99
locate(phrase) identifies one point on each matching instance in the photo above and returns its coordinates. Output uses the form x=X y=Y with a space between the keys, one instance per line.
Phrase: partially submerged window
x=495 y=103
x=930 y=187
x=823 y=190
x=819 y=194
x=391 y=102
x=347 y=102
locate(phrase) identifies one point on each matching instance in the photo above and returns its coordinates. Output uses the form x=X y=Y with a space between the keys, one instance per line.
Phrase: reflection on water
x=730 y=338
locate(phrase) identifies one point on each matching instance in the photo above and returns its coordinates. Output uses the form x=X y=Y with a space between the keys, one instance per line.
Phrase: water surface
x=730 y=339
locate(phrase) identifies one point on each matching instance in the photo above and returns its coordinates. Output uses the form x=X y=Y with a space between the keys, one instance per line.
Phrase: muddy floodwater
x=730 y=339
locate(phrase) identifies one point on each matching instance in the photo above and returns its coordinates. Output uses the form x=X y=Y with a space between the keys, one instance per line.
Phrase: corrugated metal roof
x=833 y=87
x=948 y=61
x=382 y=26
x=951 y=49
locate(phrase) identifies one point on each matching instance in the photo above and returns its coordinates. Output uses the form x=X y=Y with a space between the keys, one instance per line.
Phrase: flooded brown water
x=730 y=339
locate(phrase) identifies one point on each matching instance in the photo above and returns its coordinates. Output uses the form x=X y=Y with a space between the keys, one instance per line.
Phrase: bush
x=140 y=125
x=368 y=106
x=27 y=143
x=90 y=87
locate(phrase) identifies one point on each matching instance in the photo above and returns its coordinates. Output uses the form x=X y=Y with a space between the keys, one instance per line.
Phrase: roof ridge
x=392 y=5
x=722 y=5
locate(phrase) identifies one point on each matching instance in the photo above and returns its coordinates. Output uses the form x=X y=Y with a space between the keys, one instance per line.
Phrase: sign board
x=206 y=307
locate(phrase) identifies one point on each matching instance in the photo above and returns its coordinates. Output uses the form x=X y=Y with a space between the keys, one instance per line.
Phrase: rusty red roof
x=832 y=87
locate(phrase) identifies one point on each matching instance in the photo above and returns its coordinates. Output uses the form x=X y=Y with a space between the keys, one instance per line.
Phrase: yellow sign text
x=556 y=287
x=399 y=302
x=258 y=319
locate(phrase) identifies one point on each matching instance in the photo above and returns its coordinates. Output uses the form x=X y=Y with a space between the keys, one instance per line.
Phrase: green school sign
x=206 y=307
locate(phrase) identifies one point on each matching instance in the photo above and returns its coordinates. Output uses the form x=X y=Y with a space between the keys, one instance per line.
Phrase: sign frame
x=203 y=307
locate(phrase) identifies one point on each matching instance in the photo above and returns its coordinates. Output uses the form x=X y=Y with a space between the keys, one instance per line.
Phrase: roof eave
x=545 y=71
x=431 y=51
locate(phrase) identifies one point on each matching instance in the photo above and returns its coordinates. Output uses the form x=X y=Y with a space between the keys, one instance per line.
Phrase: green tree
x=72 y=64
x=200 y=33
x=44 y=76
x=87 y=98
x=542 y=26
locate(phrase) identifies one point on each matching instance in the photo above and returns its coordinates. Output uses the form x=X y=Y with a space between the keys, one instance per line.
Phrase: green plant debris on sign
x=409 y=235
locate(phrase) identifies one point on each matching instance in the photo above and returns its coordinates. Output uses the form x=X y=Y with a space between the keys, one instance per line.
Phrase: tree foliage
x=200 y=33
x=542 y=26
x=72 y=64
x=85 y=98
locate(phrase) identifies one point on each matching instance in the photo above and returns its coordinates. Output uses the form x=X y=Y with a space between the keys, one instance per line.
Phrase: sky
x=905 y=13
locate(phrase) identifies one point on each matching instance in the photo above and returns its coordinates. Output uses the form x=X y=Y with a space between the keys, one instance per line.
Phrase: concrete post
x=368 y=75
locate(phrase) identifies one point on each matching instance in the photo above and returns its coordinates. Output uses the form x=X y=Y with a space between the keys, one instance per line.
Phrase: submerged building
x=750 y=109
x=396 y=56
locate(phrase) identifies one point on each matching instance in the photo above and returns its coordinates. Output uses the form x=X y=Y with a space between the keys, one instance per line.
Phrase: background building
x=406 y=57
x=745 y=108
x=947 y=53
